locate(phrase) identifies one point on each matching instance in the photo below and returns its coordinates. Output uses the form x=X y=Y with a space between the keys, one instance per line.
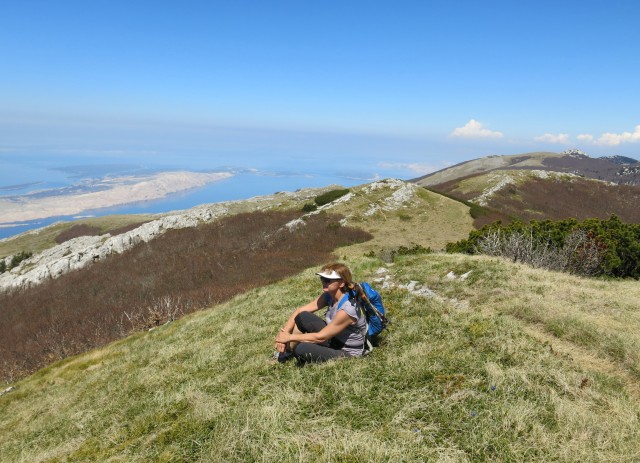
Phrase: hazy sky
x=417 y=83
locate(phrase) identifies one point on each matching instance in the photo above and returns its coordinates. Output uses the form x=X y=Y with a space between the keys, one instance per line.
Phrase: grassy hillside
x=509 y=364
x=614 y=169
x=402 y=214
x=484 y=165
x=192 y=268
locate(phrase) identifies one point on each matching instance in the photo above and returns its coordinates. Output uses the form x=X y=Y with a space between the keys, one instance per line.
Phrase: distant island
x=115 y=192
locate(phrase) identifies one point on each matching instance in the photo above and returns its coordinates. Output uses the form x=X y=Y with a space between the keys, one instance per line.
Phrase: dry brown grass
x=83 y=229
x=554 y=198
x=76 y=231
x=580 y=199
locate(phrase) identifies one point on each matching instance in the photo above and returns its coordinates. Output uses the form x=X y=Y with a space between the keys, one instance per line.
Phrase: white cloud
x=561 y=138
x=613 y=139
x=585 y=137
x=473 y=129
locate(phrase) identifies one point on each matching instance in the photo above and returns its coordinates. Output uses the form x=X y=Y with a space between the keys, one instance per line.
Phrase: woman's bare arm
x=339 y=323
x=312 y=306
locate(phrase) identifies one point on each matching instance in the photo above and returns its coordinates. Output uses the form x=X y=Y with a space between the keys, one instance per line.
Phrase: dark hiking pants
x=308 y=322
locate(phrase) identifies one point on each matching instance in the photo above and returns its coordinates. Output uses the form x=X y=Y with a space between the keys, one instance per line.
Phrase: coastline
x=121 y=191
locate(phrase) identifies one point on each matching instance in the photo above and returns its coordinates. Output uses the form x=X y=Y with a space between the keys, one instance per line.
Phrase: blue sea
x=47 y=175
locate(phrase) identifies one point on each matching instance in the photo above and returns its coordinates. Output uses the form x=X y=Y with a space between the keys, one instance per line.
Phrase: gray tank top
x=353 y=335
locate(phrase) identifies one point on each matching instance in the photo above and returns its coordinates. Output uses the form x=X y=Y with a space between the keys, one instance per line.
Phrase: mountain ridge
x=543 y=186
x=616 y=169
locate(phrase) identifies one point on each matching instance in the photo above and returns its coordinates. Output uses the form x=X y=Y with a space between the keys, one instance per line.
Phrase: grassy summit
x=509 y=364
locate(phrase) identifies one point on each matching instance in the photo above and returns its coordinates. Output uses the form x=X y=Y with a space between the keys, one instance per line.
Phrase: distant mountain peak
x=621 y=160
x=575 y=153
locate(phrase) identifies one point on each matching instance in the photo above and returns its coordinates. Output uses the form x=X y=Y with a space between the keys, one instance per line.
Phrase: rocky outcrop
x=575 y=153
x=80 y=252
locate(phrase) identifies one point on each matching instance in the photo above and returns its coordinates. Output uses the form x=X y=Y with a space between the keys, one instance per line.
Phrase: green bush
x=16 y=259
x=389 y=255
x=619 y=242
x=329 y=196
x=416 y=249
x=309 y=207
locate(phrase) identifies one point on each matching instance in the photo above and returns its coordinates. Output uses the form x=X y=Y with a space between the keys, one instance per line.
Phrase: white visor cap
x=333 y=275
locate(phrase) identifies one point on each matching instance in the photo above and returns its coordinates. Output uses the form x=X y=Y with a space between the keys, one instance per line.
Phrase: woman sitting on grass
x=341 y=334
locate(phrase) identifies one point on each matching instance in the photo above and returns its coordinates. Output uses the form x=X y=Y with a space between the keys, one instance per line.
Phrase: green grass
x=427 y=219
x=452 y=381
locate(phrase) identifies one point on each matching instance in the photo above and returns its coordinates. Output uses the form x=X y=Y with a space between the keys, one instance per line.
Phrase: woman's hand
x=283 y=337
x=282 y=341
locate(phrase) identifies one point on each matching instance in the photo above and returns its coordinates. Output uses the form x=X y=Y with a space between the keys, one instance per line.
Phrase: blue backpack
x=374 y=310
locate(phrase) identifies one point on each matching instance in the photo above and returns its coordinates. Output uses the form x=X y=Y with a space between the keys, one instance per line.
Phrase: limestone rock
x=82 y=251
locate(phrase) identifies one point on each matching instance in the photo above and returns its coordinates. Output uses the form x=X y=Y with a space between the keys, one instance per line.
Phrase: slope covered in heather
x=538 y=194
x=542 y=186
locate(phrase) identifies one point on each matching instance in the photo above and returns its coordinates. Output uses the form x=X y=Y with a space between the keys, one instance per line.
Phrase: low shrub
x=309 y=207
x=330 y=196
x=125 y=229
x=388 y=255
x=14 y=261
x=591 y=247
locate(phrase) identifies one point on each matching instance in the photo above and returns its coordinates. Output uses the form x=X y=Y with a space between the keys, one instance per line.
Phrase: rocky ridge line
x=78 y=253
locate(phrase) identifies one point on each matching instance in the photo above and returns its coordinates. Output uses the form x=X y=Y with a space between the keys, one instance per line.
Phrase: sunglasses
x=327 y=281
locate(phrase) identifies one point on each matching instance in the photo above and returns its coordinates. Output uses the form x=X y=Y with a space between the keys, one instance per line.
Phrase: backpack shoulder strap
x=344 y=299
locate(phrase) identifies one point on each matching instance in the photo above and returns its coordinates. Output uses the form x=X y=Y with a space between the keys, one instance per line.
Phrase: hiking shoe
x=282 y=357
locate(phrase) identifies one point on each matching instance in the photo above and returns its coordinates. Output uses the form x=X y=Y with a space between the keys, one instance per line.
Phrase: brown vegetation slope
x=179 y=272
x=553 y=198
